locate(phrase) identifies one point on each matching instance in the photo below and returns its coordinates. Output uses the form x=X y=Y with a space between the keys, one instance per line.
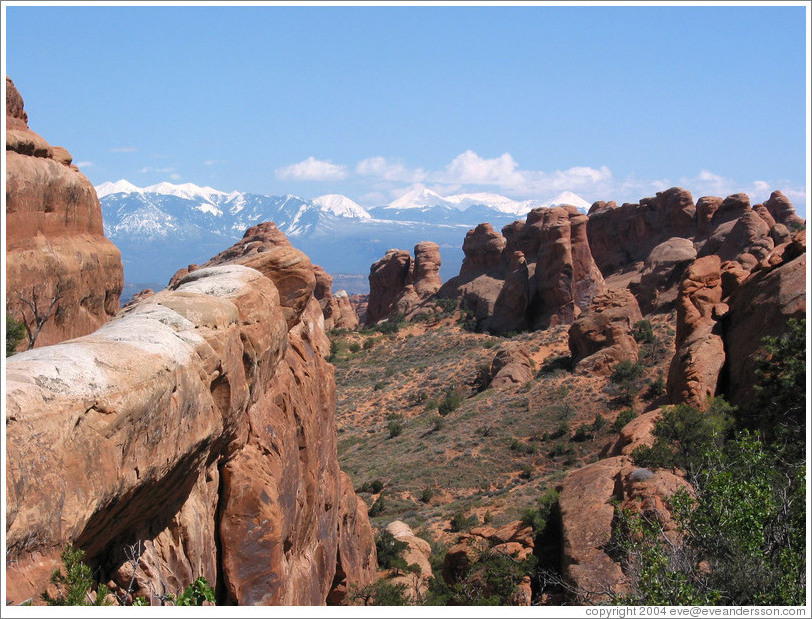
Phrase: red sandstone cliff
x=56 y=254
x=198 y=426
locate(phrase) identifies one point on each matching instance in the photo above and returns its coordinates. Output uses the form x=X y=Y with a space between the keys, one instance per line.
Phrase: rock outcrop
x=198 y=426
x=417 y=552
x=57 y=257
x=337 y=310
x=586 y=503
x=623 y=235
x=602 y=336
x=400 y=284
x=661 y=275
x=694 y=370
x=536 y=274
x=511 y=366
x=761 y=306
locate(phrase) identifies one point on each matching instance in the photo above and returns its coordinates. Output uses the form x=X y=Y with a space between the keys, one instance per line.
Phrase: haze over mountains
x=164 y=227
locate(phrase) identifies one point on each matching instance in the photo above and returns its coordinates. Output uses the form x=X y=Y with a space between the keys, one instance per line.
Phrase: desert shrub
x=599 y=423
x=390 y=551
x=196 y=594
x=373 y=487
x=446 y=305
x=437 y=424
x=381 y=384
x=623 y=417
x=15 y=333
x=75 y=586
x=432 y=404
x=656 y=387
x=643 y=332
x=583 y=433
x=369 y=343
x=626 y=371
x=426 y=495
x=522 y=447
x=450 y=402
x=395 y=428
x=378 y=506
x=562 y=430
x=355 y=347
x=459 y=523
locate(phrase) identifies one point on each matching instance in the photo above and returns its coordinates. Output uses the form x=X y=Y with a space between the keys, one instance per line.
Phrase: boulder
x=417 y=552
x=661 y=275
x=602 y=336
x=511 y=366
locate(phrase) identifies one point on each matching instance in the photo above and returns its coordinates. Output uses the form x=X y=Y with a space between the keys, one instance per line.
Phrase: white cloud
x=84 y=164
x=383 y=169
x=124 y=149
x=312 y=169
x=210 y=162
x=174 y=177
x=470 y=168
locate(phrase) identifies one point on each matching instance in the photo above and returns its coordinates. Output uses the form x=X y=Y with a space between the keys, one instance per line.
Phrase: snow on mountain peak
x=341 y=206
x=419 y=197
x=567 y=197
x=120 y=186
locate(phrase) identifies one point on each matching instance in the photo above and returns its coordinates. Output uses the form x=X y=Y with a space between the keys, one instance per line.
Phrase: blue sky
x=611 y=102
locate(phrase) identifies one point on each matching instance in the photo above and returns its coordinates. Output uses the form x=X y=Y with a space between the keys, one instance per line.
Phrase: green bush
x=378 y=506
x=390 y=551
x=426 y=495
x=355 y=347
x=643 y=332
x=626 y=371
x=623 y=417
x=395 y=428
x=459 y=523
x=15 y=333
x=450 y=403
x=75 y=586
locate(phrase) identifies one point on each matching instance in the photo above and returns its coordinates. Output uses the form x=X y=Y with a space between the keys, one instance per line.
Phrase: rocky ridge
x=199 y=426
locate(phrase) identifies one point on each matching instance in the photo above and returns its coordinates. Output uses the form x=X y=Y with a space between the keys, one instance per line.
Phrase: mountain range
x=166 y=226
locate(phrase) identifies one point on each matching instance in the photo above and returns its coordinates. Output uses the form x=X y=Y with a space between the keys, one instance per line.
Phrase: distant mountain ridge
x=164 y=227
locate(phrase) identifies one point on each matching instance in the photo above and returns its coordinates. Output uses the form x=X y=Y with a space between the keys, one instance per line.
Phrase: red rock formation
x=56 y=254
x=586 y=498
x=198 y=424
x=694 y=370
x=662 y=273
x=337 y=311
x=602 y=336
x=566 y=276
x=540 y=273
x=387 y=279
x=399 y=284
x=761 y=306
x=626 y=234
x=510 y=366
x=782 y=211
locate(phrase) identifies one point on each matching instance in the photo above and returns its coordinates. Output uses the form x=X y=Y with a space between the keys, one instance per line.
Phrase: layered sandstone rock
x=761 y=306
x=57 y=257
x=198 y=427
x=602 y=336
x=537 y=274
x=400 y=284
x=694 y=370
x=624 y=235
x=337 y=310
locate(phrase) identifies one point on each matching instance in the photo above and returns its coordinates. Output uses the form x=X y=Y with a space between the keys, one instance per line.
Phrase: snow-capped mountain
x=164 y=227
x=341 y=206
